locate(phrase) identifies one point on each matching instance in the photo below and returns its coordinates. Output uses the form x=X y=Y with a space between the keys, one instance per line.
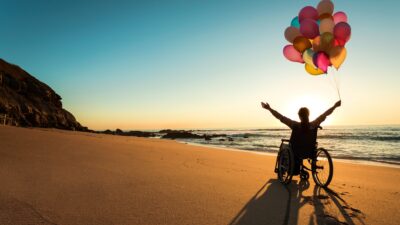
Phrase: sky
x=199 y=64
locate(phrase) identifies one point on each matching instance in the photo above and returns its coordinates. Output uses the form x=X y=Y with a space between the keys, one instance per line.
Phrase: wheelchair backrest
x=304 y=140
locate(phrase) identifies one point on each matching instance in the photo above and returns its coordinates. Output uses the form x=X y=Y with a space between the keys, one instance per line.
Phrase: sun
x=316 y=105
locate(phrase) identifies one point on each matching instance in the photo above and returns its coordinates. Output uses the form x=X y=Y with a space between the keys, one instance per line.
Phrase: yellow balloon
x=308 y=57
x=313 y=71
x=337 y=55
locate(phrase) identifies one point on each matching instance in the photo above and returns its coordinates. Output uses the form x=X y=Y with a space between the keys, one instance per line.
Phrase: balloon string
x=333 y=83
x=337 y=85
x=338 y=91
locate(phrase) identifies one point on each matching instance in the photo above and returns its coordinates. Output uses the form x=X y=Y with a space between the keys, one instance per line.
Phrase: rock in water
x=180 y=134
x=28 y=102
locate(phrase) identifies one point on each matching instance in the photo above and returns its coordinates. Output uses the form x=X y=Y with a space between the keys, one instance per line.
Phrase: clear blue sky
x=197 y=64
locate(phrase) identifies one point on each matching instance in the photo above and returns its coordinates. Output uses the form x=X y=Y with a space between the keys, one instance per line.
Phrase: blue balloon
x=295 y=22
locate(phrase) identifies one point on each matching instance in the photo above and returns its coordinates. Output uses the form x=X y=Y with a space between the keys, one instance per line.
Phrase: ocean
x=366 y=143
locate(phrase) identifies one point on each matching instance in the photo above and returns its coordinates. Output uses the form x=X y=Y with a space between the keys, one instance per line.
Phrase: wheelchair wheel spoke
x=285 y=166
x=322 y=168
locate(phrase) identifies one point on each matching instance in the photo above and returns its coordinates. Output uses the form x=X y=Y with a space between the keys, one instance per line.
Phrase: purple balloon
x=308 y=12
x=292 y=54
x=309 y=28
x=342 y=32
x=321 y=60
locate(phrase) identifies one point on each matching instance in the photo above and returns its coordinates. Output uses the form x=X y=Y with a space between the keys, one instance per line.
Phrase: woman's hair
x=304 y=113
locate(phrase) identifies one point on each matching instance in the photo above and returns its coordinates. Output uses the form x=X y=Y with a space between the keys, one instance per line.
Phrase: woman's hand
x=338 y=103
x=265 y=106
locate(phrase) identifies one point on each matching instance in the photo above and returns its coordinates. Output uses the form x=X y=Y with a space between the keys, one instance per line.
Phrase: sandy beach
x=61 y=177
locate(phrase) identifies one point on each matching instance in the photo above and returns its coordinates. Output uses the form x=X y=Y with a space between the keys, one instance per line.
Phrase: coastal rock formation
x=132 y=133
x=183 y=134
x=180 y=135
x=26 y=101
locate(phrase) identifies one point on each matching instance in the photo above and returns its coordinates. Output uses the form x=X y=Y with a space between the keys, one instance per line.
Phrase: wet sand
x=62 y=177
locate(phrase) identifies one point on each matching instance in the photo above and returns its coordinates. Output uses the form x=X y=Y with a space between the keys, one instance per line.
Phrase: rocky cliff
x=26 y=101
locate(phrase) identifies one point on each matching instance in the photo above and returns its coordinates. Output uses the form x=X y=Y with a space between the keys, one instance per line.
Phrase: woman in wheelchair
x=302 y=145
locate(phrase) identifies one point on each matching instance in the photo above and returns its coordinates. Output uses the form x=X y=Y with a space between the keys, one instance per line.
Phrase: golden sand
x=61 y=177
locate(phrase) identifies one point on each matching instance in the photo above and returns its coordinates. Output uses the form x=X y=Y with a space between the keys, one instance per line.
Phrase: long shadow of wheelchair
x=275 y=203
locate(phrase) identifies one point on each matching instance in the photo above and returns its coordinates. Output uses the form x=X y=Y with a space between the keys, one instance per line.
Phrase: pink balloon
x=342 y=33
x=308 y=12
x=309 y=28
x=292 y=54
x=340 y=17
x=321 y=60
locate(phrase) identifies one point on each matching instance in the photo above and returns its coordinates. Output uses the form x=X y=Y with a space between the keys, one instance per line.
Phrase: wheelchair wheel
x=304 y=175
x=285 y=166
x=322 y=168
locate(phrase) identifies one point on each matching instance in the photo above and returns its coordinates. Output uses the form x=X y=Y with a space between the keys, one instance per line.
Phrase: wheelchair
x=321 y=165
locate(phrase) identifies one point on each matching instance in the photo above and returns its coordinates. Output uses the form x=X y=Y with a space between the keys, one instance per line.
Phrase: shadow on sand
x=277 y=204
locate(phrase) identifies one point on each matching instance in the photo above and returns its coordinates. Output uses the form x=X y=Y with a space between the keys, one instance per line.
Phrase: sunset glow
x=190 y=65
x=316 y=105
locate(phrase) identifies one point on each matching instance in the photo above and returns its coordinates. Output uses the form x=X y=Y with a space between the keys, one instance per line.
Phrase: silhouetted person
x=304 y=133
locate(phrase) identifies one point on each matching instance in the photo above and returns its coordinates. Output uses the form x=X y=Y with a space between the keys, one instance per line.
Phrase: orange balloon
x=291 y=33
x=301 y=44
x=317 y=44
x=337 y=55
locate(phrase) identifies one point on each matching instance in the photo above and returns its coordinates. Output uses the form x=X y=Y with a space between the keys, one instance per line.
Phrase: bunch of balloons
x=318 y=38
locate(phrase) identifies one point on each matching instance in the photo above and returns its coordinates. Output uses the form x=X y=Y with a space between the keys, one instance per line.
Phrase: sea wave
x=360 y=137
x=389 y=159
x=334 y=136
x=381 y=159
x=375 y=144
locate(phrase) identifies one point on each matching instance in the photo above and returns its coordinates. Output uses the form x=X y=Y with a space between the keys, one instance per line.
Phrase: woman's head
x=304 y=113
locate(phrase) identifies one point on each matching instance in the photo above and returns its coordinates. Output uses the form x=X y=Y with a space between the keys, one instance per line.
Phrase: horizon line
x=244 y=128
